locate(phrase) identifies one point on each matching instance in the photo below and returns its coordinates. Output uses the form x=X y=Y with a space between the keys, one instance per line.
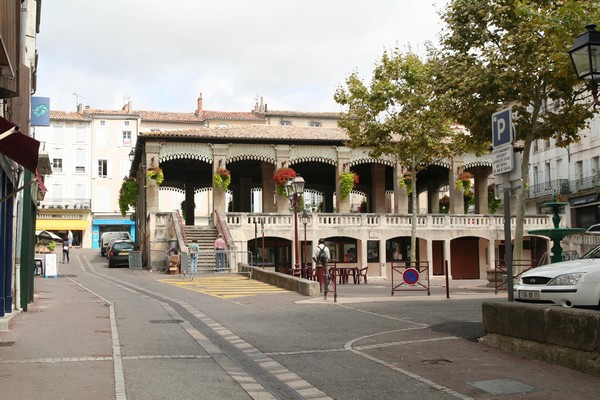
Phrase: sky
x=161 y=55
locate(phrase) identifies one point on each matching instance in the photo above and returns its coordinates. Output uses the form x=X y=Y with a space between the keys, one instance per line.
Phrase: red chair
x=362 y=273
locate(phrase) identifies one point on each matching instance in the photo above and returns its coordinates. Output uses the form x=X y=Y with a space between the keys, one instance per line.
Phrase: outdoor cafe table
x=345 y=272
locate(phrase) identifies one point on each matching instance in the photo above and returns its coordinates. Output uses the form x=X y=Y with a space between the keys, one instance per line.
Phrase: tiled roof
x=163 y=116
x=68 y=116
x=301 y=114
x=256 y=132
x=232 y=116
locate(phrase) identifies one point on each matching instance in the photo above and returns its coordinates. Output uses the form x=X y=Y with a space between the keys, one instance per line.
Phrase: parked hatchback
x=568 y=283
x=118 y=254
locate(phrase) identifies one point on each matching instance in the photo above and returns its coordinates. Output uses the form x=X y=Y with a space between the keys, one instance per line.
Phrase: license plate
x=124 y=252
x=529 y=294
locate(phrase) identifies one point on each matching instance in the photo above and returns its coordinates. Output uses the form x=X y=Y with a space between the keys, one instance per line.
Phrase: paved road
x=106 y=333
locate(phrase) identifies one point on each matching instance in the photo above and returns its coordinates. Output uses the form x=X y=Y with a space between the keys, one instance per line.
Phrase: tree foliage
x=497 y=54
x=128 y=195
x=399 y=114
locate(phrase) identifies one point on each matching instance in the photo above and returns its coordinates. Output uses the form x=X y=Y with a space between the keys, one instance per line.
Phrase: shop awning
x=19 y=147
x=61 y=224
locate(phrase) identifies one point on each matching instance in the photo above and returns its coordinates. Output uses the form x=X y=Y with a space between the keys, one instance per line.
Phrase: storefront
x=584 y=210
x=99 y=226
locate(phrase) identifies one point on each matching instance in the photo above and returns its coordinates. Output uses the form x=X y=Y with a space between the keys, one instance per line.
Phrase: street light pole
x=293 y=189
x=304 y=221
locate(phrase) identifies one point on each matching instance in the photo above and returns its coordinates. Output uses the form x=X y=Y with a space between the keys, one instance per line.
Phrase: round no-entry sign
x=410 y=276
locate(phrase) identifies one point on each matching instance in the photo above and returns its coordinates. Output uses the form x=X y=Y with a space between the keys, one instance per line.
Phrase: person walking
x=194 y=250
x=320 y=257
x=220 y=252
x=65 y=250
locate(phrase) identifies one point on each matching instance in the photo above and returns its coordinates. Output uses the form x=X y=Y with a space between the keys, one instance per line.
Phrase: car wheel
x=110 y=265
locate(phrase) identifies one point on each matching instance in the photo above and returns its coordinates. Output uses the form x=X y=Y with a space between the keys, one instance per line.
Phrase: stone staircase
x=206 y=238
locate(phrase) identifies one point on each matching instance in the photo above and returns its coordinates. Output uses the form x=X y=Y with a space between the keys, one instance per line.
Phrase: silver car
x=574 y=283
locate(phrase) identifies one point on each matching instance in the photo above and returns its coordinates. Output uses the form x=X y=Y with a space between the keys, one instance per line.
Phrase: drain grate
x=6 y=344
x=503 y=386
x=442 y=361
x=166 y=321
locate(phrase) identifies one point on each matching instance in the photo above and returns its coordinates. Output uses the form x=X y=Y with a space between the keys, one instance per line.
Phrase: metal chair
x=362 y=273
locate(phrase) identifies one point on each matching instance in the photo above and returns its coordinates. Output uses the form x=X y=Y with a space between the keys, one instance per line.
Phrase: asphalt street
x=102 y=333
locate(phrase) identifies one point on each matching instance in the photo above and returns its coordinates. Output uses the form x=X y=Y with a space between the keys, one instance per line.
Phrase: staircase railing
x=223 y=228
x=182 y=226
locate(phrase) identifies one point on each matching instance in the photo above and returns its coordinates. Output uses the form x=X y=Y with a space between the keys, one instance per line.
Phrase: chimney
x=199 y=110
x=262 y=105
x=79 y=108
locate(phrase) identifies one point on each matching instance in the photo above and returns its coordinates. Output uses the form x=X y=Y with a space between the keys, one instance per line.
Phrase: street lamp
x=304 y=221
x=585 y=55
x=293 y=189
x=132 y=154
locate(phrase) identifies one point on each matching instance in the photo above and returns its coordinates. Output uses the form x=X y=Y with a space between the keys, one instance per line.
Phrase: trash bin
x=135 y=260
x=173 y=243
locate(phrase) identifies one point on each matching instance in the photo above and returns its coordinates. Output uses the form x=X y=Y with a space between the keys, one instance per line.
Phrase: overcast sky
x=161 y=55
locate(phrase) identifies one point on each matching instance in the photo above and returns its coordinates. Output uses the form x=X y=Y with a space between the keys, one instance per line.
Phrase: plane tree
x=399 y=114
x=498 y=54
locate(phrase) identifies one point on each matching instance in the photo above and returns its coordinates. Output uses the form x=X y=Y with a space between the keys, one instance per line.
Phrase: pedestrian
x=65 y=252
x=194 y=250
x=70 y=237
x=320 y=257
x=220 y=252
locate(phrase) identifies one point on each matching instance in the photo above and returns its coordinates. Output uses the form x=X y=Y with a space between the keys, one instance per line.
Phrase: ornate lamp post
x=293 y=189
x=585 y=55
x=304 y=221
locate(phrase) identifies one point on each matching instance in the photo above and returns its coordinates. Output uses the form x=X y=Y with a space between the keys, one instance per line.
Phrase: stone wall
x=565 y=336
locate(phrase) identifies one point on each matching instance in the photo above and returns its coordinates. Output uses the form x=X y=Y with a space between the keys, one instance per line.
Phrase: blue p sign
x=502 y=128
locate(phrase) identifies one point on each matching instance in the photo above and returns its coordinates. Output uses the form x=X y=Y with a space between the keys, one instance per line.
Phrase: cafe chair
x=362 y=273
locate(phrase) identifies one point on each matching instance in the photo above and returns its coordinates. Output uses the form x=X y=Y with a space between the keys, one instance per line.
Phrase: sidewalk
x=61 y=347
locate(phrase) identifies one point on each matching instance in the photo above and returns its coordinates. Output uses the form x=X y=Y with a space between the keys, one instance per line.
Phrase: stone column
x=401 y=197
x=219 y=195
x=447 y=255
x=343 y=165
x=152 y=151
x=481 y=175
x=378 y=188
x=433 y=195
x=268 y=187
x=457 y=201
x=382 y=261
x=282 y=204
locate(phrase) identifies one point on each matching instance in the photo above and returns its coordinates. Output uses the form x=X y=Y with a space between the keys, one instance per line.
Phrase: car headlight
x=566 y=279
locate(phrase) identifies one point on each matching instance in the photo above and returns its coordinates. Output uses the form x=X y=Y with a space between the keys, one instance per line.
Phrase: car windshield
x=594 y=253
x=123 y=246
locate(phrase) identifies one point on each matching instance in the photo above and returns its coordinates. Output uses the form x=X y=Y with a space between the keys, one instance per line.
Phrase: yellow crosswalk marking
x=227 y=287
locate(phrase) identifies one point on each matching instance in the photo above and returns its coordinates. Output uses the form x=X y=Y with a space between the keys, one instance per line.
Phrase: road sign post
x=502 y=155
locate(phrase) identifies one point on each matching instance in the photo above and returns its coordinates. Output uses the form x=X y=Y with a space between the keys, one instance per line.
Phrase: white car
x=574 y=283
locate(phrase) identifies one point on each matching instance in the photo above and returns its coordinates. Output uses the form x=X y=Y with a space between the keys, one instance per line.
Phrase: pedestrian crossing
x=224 y=286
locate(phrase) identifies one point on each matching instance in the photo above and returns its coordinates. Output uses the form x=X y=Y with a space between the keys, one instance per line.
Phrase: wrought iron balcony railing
x=557 y=186
x=65 y=204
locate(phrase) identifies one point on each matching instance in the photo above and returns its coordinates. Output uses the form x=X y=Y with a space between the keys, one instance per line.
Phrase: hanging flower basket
x=280 y=177
x=445 y=205
x=348 y=181
x=222 y=178
x=463 y=183
x=155 y=174
x=406 y=181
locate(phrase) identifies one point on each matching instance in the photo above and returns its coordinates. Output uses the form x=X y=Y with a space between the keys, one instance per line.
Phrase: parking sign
x=502 y=128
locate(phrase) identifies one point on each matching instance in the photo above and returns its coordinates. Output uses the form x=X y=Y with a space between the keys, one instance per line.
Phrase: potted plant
x=348 y=181
x=280 y=177
x=445 y=205
x=222 y=178
x=406 y=181
x=155 y=174
x=463 y=183
x=128 y=195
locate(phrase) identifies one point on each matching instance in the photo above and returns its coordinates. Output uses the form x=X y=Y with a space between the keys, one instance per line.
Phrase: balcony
x=66 y=204
x=557 y=186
